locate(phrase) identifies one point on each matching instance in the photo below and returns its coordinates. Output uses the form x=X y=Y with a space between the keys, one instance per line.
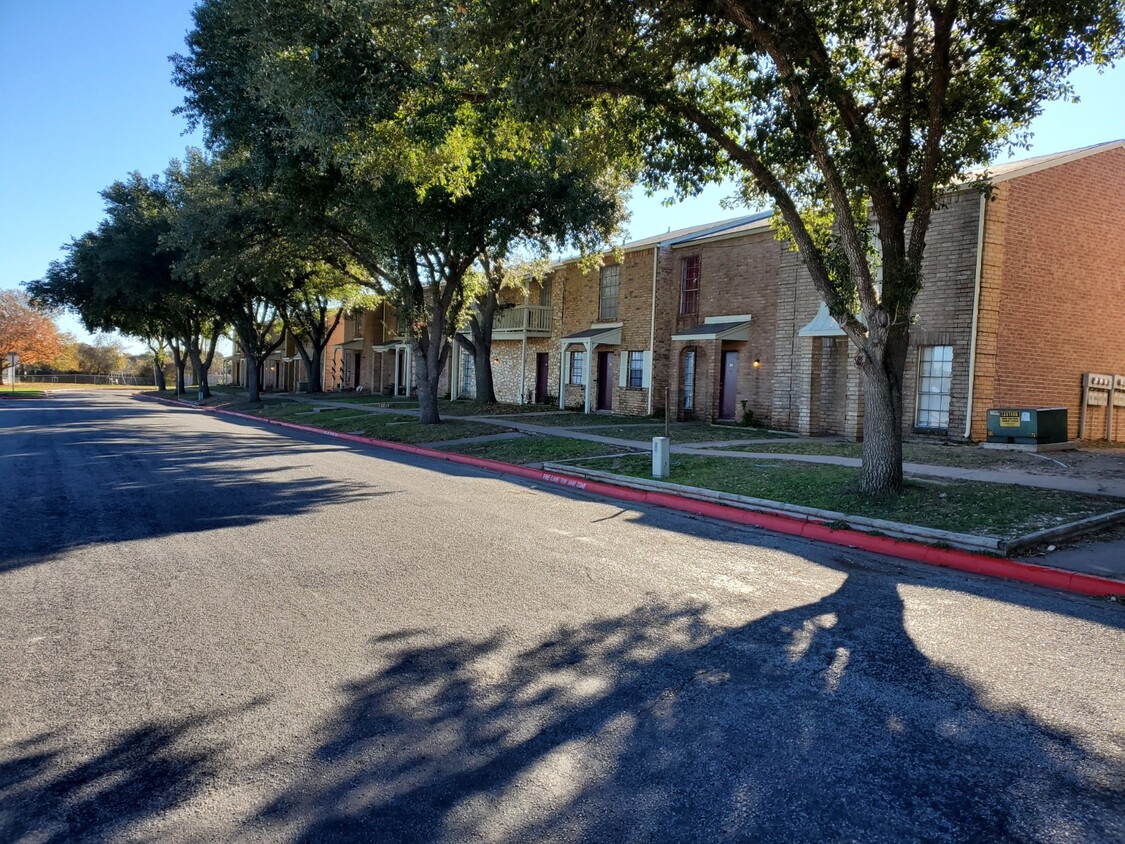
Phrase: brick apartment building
x=1022 y=294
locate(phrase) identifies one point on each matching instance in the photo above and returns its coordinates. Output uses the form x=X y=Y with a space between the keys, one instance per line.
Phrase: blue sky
x=86 y=97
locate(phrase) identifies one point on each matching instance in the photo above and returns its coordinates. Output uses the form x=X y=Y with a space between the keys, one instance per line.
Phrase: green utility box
x=1027 y=425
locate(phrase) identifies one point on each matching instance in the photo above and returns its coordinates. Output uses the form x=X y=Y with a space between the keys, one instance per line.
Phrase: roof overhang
x=735 y=327
x=389 y=347
x=597 y=335
x=822 y=325
x=351 y=345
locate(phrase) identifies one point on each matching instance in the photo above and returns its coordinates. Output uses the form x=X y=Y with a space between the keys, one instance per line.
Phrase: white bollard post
x=660 y=460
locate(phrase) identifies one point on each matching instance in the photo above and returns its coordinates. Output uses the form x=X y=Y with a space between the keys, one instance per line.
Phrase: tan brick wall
x=1055 y=262
x=817 y=389
x=575 y=302
x=737 y=276
x=943 y=310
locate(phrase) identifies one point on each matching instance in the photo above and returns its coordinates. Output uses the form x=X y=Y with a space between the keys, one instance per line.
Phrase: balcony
x=520 y=321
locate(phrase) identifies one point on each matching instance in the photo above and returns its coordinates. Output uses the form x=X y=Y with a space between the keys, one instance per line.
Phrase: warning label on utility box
x=1009 y=419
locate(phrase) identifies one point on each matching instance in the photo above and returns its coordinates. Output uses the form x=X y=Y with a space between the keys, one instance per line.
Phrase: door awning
x=596 y=335
x=822 y=325
x=718 y=328
x=352 y=345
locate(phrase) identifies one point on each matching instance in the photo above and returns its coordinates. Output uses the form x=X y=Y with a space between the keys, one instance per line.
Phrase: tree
x=25 y=331
x=367 y=99
x=237 y=263
x=851 y=118
x=104 y=357
x=120 y=277
x=67 y=358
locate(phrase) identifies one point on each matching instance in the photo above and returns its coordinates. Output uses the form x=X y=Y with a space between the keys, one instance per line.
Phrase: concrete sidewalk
x=1110 y=488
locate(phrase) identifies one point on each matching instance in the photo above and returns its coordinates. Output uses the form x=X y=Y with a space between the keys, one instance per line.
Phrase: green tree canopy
x=850 y=118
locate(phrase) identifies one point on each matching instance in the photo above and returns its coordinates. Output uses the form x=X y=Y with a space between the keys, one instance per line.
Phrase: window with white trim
x=935 y=373
x=468 y=373
x=689 y=285
x=689 y=380
x=609 y=282
x=636 y=369
x=578 y=367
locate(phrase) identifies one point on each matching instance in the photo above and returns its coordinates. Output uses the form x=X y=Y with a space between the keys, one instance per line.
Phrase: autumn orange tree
x=25 y=331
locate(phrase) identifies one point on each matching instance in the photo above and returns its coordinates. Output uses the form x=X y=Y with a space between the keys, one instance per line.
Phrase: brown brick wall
x=1056 y=266
x=816 y=386
x=943 y=310
x=738 y=275
x=575 y=302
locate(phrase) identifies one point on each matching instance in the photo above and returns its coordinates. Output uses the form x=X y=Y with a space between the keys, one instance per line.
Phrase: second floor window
x=357 y=323
x=608 y=283
x=689 y=285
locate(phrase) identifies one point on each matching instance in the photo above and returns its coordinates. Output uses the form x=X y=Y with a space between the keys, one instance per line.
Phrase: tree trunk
x=482 y=370
x=205 y=367
x=480 y=327
x=158 y=373
x=882 y=414
x=253 y=378
x=315 y=364
x=429 y=375
x=197 y=371
x=181 y=363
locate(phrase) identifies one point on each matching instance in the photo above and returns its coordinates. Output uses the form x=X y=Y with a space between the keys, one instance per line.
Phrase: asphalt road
x=215 y=631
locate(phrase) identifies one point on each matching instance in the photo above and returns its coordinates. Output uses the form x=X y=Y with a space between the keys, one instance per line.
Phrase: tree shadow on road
x=823 y=722
x=49 y=792
x=97 y=477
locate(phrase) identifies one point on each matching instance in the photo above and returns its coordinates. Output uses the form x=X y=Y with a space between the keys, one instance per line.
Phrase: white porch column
x=409 y=370
x=562 y=375
x=589 y=368
x=396 y=371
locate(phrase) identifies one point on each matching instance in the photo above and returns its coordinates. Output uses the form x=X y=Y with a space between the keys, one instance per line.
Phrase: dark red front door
x=728 y=387
x=541 y=378
x=605 y=380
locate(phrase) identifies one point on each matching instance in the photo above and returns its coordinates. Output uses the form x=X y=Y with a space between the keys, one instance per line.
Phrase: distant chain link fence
x=123 y=379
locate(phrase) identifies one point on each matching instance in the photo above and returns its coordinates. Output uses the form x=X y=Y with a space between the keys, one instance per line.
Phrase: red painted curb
x=1066 y=581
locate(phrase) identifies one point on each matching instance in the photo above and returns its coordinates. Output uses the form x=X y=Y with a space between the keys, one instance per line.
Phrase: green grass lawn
x=681 y=432
x=572 y=419
x=534 y=449
x=934 y=454
x=1000 y=510
x=20 y=392
x=384 y=426
x=468 y=407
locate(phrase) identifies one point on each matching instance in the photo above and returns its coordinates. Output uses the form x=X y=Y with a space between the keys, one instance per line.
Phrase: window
x=608 y=283
x=689 y=285
x=577 y=367
x=636 y=369
x=468 y=373
x=357 y=323
x=935 y=371
x=689 y=380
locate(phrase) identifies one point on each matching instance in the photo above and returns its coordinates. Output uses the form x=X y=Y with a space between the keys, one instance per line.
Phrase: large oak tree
x=850 y=118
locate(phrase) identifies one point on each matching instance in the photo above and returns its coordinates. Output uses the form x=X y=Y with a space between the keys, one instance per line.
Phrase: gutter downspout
x=976 y=315
x=652 y=333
